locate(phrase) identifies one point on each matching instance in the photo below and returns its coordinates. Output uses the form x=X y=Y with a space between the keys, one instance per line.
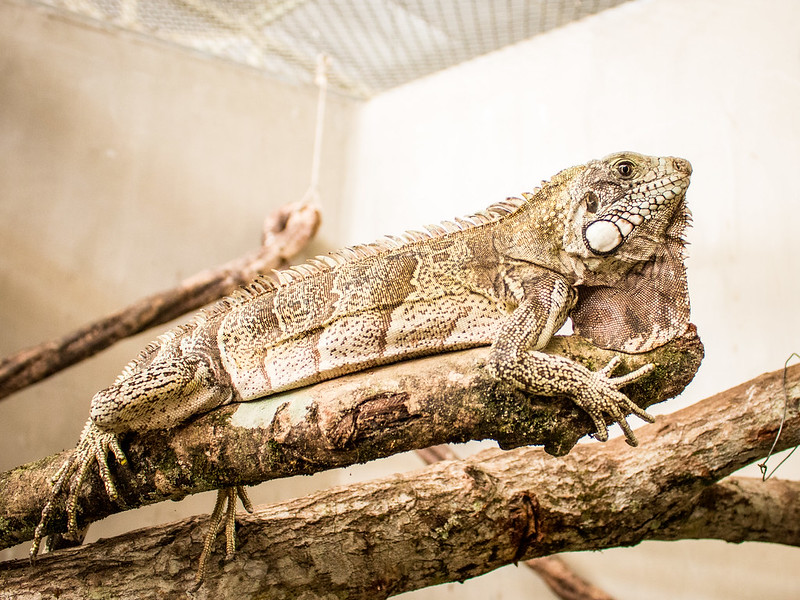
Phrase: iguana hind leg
x=224 y=512
x=94 y=446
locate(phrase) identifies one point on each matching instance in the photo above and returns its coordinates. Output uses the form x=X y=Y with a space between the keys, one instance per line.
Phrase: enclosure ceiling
x=373 y=45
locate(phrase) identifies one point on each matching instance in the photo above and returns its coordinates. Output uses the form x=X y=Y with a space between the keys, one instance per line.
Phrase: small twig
x=563 y=581
x=555 y=573
x=286 y=232
x=434 y=454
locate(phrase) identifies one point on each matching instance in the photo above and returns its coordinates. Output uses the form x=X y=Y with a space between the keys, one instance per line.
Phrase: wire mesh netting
x=373 y=45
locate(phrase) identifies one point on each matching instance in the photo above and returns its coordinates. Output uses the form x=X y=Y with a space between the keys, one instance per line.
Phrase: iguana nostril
x=683 y=165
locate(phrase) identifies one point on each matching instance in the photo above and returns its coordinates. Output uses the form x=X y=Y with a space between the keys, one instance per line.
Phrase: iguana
x=601 y=243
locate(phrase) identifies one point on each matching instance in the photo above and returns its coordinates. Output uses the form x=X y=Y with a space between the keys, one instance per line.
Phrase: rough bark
x=314 y=547
x=458 y=519
x=740 y=509
x=286 y=232
x=554 y=572
x=354 y=419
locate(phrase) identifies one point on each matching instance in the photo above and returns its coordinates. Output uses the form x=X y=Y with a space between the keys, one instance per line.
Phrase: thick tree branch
x=740 y=509
x=458 y=519
x=348 y=420
x=556 y=574
x=286 y=232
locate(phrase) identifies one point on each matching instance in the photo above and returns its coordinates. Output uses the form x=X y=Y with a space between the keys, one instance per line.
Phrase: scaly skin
x=601 y=243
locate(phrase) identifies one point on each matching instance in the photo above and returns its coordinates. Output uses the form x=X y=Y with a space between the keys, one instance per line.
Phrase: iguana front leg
x=94 y=445
x=161 y=395
x=514 y=359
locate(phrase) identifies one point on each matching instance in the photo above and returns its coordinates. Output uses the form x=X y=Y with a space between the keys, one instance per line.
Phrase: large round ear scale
x=602 y=237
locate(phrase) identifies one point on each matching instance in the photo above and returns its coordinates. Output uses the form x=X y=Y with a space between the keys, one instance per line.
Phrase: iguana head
x=628 y=217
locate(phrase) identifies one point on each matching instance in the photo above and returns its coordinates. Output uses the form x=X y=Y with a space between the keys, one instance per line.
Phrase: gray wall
x=126 y=166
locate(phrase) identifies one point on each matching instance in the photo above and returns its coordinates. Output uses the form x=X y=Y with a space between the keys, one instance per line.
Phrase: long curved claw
x=604 y=398
x=224 y=511
x=623 y=380
x=72 y=497
x=63 y=474
x=94 y=446
x=241 y=491
x=215 y=521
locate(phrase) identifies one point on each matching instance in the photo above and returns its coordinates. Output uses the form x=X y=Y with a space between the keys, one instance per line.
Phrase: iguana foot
x=93 y=446
x=594 y=391
x=224 y=512
x=602 y=397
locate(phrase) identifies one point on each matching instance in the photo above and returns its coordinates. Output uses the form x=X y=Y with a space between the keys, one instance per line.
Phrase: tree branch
x=353 y=419
x=554 y=572
x=740 y=509
x=286 y=232
x=458 y=519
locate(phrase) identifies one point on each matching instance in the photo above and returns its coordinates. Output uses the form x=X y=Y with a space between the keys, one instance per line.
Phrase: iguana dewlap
x=601 y=243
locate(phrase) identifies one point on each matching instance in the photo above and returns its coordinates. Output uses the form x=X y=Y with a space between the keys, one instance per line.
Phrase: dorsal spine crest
x=324 y=263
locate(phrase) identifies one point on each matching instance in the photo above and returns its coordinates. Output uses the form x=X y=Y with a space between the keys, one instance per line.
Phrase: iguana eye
x=625 y=168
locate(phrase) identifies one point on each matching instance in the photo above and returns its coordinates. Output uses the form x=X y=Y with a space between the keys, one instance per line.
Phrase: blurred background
x=142 y=141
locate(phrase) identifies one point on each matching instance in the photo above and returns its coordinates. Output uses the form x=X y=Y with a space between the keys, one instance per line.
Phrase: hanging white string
x=321 y=79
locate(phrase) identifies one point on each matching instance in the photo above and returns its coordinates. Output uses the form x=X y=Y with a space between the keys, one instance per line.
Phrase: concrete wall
x=715 y=82
x=125 y=166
